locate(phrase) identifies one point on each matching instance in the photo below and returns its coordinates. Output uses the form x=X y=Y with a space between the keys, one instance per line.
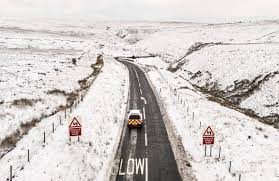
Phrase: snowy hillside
x=223 y=75
x=237 y=63
x=37 y=68
x=249 y=145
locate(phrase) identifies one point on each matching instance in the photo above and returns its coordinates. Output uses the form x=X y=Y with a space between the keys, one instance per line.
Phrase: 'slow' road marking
x=120 y=168
x=135 y=166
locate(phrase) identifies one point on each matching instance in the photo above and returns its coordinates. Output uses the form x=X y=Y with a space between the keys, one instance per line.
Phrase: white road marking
x=142 y=98
x=135 y=166
x=140 y=91
x=120 y=168
x=145 y=126
x=136 y=73
x=140 y=164
x=145 y=139
x=143 y=110
x=130 y=166
x=146 y=169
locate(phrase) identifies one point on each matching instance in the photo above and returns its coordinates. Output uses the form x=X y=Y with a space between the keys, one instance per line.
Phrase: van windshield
x=134 y=117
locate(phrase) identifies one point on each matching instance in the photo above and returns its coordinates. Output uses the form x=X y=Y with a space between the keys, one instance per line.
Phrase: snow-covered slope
x=250 y=146
x=235 y=62
x=102 y=114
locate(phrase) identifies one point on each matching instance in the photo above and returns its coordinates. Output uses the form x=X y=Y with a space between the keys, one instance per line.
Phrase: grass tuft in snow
x=23 y=102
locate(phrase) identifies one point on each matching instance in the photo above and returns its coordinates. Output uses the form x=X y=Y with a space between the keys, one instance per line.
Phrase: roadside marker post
x=11 y=173
x=28 y=155
x=44 y=137
x=219 y=154
x=230 y=166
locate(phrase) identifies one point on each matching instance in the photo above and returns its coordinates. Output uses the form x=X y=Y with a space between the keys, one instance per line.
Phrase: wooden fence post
x=230 y=166
x=44 y=137
x=11 y=173
x=219 y=153
x=28 y=155
x=193 y=116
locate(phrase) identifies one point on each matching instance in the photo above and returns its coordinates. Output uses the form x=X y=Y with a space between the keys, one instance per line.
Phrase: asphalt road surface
x=145 y=154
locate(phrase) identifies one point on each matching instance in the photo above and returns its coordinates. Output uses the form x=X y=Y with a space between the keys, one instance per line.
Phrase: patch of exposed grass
x=25 y=127
x=23 y=102
x=56 y=91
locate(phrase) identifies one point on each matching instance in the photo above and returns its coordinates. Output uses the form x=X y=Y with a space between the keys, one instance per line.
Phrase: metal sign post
x=208 y=139
x=75 y=126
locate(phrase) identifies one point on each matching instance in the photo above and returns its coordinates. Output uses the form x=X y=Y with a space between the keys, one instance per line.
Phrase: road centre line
x=146 y=169
x=144 y=100
x=145 y=135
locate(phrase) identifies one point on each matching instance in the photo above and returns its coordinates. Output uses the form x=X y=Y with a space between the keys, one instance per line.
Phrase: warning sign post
x=75 y=126
x=208 y=136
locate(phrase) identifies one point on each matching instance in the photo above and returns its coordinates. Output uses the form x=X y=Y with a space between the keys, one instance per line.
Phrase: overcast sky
x=153 y=10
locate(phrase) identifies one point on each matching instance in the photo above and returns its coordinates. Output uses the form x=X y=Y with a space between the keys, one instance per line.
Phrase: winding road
x=144 y=154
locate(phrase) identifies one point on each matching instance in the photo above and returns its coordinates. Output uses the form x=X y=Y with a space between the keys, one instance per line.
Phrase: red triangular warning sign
x=75 y=123
x=208 y=132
